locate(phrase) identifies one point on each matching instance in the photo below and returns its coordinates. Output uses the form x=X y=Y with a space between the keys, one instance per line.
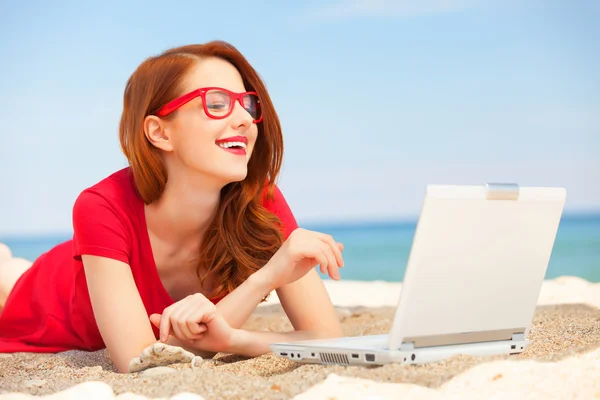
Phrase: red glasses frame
x=201 y=92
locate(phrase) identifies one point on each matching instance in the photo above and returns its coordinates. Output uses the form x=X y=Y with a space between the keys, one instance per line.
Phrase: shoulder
x=106 y=218
x=113 y=200
x=116 y=189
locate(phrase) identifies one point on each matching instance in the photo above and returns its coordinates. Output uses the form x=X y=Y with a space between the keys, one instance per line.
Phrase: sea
x=378 y=251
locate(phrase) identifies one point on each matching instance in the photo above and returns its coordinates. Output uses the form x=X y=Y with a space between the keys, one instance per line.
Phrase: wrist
x=238 y=342
x=262 y=281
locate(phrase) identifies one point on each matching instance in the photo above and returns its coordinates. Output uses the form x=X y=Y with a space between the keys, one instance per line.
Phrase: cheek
x=198 y=134
x=252 y=137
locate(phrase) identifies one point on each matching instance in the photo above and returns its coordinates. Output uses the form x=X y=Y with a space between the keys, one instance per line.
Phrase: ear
x=157 y=133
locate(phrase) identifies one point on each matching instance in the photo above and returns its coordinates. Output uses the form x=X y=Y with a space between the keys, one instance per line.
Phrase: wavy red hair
x=243 y=235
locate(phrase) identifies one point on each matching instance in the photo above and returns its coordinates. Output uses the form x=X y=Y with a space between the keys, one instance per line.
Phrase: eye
x=217 y=106
x=218 y=101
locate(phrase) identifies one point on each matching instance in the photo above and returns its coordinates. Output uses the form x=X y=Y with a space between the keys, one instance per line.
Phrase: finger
x=331 y=261
x=179 y=322
x=178 y=315
x=322 y=260
x=196 y=328
x=165 y=324
x=155 y=320
x=332 y=266
x=340 y=246
x=334 y=247
x=193 y=320
x=334 y=272
x=196 y=318
x=174 y=322
x=205 y=313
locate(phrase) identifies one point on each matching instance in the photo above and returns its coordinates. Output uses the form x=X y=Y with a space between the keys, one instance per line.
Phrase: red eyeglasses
x=218 y=103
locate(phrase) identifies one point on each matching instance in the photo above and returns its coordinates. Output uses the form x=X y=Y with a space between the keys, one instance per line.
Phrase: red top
x=49 y=308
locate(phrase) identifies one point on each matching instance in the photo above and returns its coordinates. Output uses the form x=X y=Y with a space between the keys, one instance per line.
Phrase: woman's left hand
x=195 y=320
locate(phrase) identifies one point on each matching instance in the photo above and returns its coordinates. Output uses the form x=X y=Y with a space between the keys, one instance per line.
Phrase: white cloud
x=344 y=9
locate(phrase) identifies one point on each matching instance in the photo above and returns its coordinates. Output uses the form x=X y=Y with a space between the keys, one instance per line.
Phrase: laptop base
x=372 y=355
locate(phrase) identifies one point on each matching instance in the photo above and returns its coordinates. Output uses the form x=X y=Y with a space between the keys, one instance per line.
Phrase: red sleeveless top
x=49 y=308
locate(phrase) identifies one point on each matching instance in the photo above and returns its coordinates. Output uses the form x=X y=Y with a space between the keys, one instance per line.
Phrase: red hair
x=243 y=235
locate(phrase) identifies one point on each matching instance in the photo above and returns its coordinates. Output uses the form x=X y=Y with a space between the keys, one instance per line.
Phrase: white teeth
x=227 y=145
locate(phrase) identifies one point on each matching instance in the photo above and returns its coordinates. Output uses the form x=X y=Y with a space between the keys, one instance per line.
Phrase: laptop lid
x=477 y=263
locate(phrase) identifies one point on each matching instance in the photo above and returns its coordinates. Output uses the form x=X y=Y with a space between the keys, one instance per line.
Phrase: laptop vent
x=333 y=358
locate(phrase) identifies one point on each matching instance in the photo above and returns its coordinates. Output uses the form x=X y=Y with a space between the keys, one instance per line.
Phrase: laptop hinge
x=412 y=343
x=407 y=346
x=518 y=337
x=502 y=191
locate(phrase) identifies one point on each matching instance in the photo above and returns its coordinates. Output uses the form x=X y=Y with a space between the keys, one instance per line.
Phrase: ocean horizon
x=379 y=250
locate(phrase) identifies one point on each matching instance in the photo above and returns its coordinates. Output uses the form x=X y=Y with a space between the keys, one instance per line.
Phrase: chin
x=233 y=177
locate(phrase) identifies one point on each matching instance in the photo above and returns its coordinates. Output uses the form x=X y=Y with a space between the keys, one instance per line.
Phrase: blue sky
x=376 y=98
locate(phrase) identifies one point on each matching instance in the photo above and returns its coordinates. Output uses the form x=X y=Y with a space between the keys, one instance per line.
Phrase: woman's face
x=218 y=149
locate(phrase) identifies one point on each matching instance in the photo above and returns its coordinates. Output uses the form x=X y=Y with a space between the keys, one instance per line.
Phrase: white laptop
x=474 y=274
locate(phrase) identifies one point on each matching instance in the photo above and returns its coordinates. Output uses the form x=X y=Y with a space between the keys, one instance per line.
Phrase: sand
x=562 y=361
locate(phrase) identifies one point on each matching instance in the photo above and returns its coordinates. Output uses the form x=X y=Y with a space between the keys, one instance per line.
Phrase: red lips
x=242 y=139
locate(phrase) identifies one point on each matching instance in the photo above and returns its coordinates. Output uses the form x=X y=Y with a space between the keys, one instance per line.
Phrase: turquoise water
x=379 y=251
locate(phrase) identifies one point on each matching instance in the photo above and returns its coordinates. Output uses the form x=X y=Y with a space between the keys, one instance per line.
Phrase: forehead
x=214 y=72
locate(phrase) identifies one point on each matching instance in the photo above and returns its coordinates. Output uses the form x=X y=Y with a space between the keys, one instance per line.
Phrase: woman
x=185 y=242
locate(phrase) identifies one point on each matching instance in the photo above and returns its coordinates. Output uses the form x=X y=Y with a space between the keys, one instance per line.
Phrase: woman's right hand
x=302 y=251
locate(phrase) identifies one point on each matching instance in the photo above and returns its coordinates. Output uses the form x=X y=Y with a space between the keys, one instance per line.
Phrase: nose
x=240 y=117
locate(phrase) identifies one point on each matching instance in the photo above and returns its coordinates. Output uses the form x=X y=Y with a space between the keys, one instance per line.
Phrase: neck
x=184 y=210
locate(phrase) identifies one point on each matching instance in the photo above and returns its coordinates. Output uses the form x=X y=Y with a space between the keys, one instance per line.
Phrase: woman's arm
x=309 y=308
x=310 y=311
x=237 y=306
x=173 y=341
x=118 y=309
x=300 y=290
x=306 y=304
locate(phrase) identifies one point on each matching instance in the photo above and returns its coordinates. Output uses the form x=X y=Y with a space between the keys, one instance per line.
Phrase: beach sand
x=562 y=361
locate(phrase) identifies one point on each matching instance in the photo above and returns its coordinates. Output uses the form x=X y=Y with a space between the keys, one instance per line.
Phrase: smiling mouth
x=233 y=145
